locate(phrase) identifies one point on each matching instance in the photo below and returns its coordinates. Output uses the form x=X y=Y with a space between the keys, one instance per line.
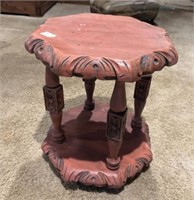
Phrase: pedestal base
x=82 y=157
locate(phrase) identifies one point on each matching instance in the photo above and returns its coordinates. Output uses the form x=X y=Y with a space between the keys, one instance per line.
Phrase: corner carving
x=42 y=51
x=158 y=60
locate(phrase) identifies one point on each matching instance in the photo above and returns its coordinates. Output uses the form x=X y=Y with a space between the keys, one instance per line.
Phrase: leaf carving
x=100 y=67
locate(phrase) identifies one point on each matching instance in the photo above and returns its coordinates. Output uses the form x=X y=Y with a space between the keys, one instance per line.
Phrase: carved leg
x=89 y=86
x=54 y=103
x=141 y=93
x=116 y=120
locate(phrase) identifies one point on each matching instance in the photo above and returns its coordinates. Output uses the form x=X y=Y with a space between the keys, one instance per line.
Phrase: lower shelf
x=82 y=156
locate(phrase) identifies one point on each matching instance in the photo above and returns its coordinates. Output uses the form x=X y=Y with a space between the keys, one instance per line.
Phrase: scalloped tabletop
x=102 y=46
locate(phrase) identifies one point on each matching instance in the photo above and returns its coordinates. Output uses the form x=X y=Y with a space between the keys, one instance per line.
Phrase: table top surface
x=102 y=46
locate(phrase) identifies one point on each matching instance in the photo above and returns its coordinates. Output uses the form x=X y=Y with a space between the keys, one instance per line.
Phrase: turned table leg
x=89 y=87
x=116 y=120
x=140 y=95
x=54 y=103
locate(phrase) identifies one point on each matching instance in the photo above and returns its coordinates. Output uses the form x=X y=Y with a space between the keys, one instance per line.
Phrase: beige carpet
x=25 y=175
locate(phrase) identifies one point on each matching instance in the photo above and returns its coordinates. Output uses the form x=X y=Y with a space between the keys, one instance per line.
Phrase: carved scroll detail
x=100 y=68
x=158 y=60
x=42 y=51
x=31 y=44
x=92 y=178
x=138 y=166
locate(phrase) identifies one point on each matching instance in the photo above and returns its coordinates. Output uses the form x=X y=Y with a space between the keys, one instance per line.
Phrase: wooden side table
x=101 y=145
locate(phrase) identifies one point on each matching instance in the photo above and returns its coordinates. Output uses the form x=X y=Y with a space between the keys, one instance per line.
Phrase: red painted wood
x=105 y=47
x=102 y=46
x=82 y=158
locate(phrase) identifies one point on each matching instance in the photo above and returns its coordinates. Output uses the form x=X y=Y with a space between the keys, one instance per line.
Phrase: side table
x=101 y=145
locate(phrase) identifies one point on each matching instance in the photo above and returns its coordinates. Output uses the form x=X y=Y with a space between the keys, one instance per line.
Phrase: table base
x=82 y=156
